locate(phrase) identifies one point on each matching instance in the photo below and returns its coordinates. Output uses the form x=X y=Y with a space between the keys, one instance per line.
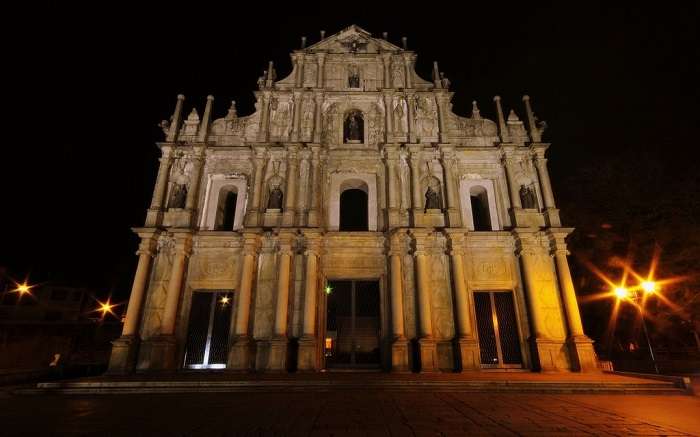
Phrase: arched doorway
x=226 y=208
x=353 y=210
x=480 y=208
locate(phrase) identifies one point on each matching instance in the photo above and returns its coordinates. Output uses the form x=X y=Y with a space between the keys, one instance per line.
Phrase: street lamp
x=649 y=288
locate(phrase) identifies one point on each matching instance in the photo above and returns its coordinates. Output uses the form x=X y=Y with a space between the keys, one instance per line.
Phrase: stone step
x=175 y=386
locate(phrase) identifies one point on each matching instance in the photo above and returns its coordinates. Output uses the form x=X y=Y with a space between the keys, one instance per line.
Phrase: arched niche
x=219 y=187
x=353 y=127
x=359 y=181
x=484 y=191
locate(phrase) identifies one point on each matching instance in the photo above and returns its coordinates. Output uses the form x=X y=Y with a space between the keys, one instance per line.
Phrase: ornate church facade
x=352 y=221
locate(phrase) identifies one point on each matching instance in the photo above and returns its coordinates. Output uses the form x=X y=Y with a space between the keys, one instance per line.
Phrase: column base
x=277 y=358
x=312 y=220
x=399 y=356
x=123 y=358
x=469 y=353
x=428 y=355
x=583 y=357
x=162 y=351
x=239 y=356
x=551 y=355
x=307 y=354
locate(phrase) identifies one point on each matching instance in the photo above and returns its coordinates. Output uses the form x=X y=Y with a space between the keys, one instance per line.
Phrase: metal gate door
x=208 y=329
x=352 y=324
x=499 y=342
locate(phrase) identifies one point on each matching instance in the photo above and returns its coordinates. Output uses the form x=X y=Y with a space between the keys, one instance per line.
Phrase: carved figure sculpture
x=527 y=197
x=353 y=76
x=178 y=196
x=353 y=127
x=433 y=199
x=275 y=199
x=398 y=115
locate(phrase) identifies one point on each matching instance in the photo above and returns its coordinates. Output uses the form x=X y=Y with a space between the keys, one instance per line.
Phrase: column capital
x=147 y=246
x=183 y=243
x=313 y=242
x=456 y=240
x=251 y=243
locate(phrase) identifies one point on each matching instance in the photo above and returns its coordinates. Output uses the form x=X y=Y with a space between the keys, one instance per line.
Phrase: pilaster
x=399 y=345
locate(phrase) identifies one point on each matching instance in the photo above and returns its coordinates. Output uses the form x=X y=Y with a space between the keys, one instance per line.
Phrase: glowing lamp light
x=621 y=292
x=105 y=307
x=225 y=300
x=329 y=290
x=649 y=287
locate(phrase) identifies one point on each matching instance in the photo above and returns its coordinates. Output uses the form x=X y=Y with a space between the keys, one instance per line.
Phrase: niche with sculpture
x=353 y=127
x=528 y=197
x=275 y=195
x=178 y=191
x=353 y=76
x=433 y=194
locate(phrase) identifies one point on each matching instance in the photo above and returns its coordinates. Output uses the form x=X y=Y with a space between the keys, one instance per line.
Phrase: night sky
x=615 y=84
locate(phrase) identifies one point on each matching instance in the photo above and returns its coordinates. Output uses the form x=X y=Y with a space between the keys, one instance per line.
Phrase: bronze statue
x=353 y=127
x=178 y=197
x=275 y=200
x=527 y=197
x=432 y=199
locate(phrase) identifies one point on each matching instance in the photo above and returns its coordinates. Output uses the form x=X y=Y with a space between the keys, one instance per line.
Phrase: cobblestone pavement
x=338 y=413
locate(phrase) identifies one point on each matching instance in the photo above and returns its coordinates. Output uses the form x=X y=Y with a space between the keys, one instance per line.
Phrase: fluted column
x=183 y=247
x=512 y=183
x=448 y=162
x=314 y=187
x=298 y=106
x=138 y=288
x=193 y=192
x=410 y=99
x=386 y=61
x=175 y=123
x=535 y=133
x=264 y=97
x=252 y=214
x=154 y=215
x=442 y=100
x=408 y=64
x=389 y=114
x=204 y=126
x=321 y=58
x=278 y=347
x=123 y=357
x=308 y=342
x=303 y=198
x=502 y=128
x=541 y=164
x=394 y=194
x=426 y=342
x=239 y=355
x=399 y=346
x=415 y=181
x=318 y=123
x=292 y=176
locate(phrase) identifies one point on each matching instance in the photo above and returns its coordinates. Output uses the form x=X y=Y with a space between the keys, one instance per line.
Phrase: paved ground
x=342 y=413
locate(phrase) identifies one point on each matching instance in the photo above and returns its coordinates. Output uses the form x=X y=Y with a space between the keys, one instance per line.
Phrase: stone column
x=408 y=63
x=415 y=184
x=399 y=345
x=155 y=212
x=428 y=350
x=502 y=128
x=123 y=357
x=386 y=60
x=292 y=182
x=298 y=59
x=392 y=156
x=512 y=183
x=453 y=211
x=321 y=58
x=253 y=214
x=314 y=188
x=206 y=120
x=547 y=328
x=410 y=100
x=165 y=345
x=308 y=342
x=318 y=123
x=278 y=345
x=298 y=107
x=264 y=97
x=466 y=342
x=175 y=124
x=193 y=192
x=239 y=357
x=581 y=349
x=442 y=100
x=302 y=204
x=541 y=164
x=389 y=113
x=535 y=133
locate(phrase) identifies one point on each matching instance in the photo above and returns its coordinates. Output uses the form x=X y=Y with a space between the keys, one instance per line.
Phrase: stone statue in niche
x=178 y=193
x=353 y=127
x=527 y=197
x=433 y=200
x=329 y=132
x=275 y=197
x=425 y=117
x=398 y=116
x=307 y=123
x=353 y=76
x=280 y=120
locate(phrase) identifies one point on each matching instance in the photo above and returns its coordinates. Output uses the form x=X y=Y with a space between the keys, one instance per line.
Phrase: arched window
x=353 y=210
x=226 y=208
x=480 y=208
x=353 y=127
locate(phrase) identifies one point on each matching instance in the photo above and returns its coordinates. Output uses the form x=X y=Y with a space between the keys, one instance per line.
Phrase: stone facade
x=455 y=205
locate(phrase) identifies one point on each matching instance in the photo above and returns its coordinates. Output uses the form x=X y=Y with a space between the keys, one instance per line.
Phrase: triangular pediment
x=353 y=39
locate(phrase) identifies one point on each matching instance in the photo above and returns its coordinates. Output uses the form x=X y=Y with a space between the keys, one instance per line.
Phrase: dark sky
x=611 y=82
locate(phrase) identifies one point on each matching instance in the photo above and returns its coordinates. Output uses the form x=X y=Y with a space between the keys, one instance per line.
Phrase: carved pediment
x=353 y=39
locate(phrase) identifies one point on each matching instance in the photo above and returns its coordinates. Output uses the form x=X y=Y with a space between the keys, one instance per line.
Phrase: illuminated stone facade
x=456 y=206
